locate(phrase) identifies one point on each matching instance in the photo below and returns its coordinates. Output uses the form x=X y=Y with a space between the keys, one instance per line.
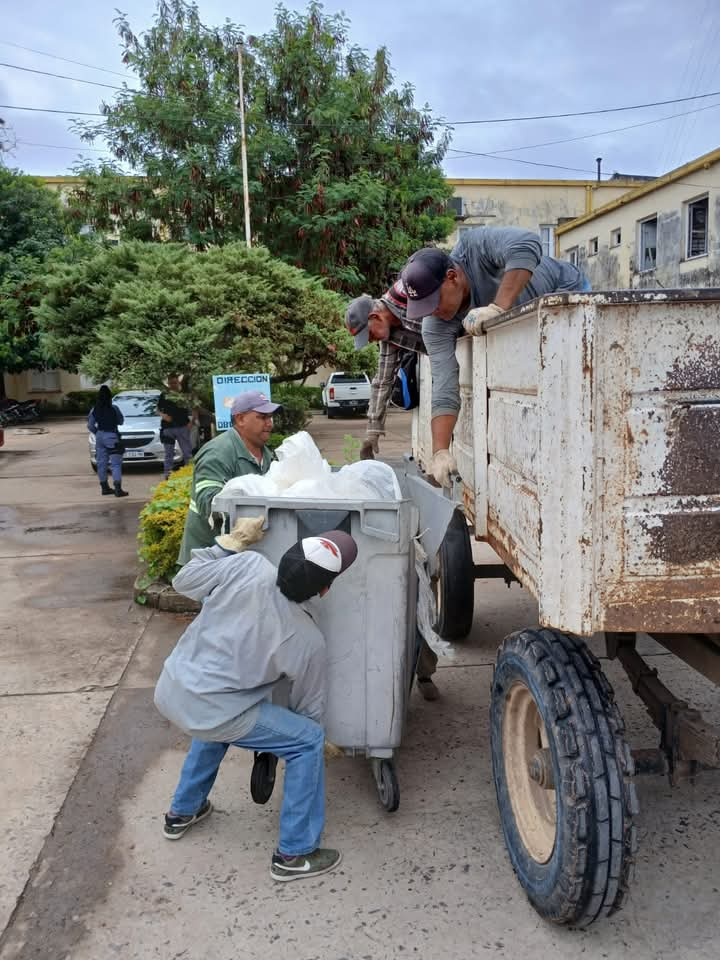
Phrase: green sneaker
x=310 y=865
x=176 y=826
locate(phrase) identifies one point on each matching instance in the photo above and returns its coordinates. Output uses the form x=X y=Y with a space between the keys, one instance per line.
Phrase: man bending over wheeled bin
x=254 y=629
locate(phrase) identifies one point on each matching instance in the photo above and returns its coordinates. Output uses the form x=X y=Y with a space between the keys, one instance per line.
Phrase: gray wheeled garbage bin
x=368 y=618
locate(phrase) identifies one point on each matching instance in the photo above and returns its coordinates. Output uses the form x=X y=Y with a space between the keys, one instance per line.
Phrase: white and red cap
x=313 y=563
x=333 y=551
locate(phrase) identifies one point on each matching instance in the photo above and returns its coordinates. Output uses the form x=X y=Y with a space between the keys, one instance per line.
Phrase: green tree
x=344 y=170
x=139 y=311
x=32 y=224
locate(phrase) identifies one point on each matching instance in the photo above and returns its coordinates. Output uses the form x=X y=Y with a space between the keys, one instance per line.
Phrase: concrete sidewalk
x=92 y=771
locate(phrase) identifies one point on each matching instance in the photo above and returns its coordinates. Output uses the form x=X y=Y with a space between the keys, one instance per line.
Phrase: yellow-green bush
x=162 y=521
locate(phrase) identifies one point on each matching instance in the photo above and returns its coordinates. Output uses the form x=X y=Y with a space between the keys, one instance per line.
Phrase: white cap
x=323 y=553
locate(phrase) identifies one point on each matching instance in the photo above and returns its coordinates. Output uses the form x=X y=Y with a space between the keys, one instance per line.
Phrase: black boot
x=106 y=489
x=119 y=492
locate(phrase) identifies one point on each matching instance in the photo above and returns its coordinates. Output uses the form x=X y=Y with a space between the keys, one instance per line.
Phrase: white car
x=346 y=393
x=140 y=432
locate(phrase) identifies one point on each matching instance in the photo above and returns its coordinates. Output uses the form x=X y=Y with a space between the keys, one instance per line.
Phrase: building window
x=615 y=237
x=547 y=238
x=592 y=246
x=573 y=255
x=697 y=228
x=44 y=381
x=647 y=254
x=455 y=206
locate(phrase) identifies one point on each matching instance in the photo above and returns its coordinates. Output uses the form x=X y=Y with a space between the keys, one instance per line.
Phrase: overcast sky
x=486 y=61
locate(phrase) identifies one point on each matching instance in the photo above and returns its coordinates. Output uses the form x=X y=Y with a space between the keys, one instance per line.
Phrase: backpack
x=405 y=391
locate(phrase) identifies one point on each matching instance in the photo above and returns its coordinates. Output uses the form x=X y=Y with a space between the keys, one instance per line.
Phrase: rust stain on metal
x=507 y=549
x=698 y=369
x=692 y=465
x=686 y=539
x=663 y=605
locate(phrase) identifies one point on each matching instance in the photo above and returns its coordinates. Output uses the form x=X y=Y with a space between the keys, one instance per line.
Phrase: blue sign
x=227 y=387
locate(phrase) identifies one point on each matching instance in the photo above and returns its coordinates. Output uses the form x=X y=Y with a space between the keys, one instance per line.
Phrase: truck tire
x=455 y=585
x=563 y=777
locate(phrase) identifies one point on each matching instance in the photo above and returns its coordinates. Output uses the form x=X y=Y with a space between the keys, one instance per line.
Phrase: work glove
x=247 y=530
x=442 y=466
x=370 y=447
x=332 y=752
x=475 y=318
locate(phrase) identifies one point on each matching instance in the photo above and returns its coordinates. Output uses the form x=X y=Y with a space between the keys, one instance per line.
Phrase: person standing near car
x=238 y=451
x=175 y=425
x=104 y=422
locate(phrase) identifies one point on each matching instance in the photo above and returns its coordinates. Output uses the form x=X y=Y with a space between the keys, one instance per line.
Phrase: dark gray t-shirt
x=485 y=254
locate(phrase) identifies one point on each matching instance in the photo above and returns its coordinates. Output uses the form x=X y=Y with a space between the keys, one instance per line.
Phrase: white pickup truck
x=346 y=393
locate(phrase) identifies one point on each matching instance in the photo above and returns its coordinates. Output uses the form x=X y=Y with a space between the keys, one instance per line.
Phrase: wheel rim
x=534 y=807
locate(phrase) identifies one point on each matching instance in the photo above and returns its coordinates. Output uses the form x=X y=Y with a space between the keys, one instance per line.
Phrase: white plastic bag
x=301 y=472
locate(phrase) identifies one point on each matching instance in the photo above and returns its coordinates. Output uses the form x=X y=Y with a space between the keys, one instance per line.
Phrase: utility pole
x=243 y=148
x=598 y=161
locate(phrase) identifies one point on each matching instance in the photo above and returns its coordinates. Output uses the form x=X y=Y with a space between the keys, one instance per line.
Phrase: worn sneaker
x=310 y=865
x=427 y=688
x=176 y=826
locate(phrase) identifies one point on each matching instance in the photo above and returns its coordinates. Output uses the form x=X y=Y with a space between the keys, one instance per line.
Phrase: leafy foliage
x=32 y=228
x=344 y=170
x=137 y=312
x=162 y=522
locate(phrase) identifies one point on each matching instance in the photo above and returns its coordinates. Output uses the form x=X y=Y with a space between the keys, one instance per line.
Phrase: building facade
x=665 y=233
x=537 y=205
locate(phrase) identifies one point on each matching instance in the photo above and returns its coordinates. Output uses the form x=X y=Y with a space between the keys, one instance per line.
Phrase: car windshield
x=349 y=378
x=137 y=405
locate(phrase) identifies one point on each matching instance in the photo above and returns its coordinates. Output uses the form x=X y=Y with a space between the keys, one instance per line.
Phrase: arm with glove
x=513 y=252
x=380 y=392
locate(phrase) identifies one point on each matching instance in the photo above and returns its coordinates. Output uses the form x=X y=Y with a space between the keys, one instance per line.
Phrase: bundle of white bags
x=302 y=473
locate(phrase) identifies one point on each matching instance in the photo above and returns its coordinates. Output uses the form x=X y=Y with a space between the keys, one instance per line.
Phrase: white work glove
x=474 y=320
x=370 y=447
x=247 y=530
x=442 y=466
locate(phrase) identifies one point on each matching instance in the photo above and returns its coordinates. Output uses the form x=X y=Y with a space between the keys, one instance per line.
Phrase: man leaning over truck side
x=488 y=271
x=383 y=321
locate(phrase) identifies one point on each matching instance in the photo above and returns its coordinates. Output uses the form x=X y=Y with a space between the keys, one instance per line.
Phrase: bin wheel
x=387 y=784
x=563 y=777
x=455 y=584
x=262 y=779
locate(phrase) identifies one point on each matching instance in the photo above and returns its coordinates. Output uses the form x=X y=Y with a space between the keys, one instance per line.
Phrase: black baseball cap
x=422 y=276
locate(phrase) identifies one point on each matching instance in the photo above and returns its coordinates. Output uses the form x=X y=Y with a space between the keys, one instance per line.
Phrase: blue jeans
x=184 y=441
x=299 y=742
x=105 y=441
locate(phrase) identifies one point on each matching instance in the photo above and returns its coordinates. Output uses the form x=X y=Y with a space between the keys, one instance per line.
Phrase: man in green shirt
x=237 y=452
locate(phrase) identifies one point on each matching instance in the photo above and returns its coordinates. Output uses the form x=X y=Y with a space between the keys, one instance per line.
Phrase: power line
x=531 y=163
x=57 y=146
x=586 y=113
x=600 y=133
x=67 y=113
x=55 y=56
x=450 y=123
x=62 y=76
